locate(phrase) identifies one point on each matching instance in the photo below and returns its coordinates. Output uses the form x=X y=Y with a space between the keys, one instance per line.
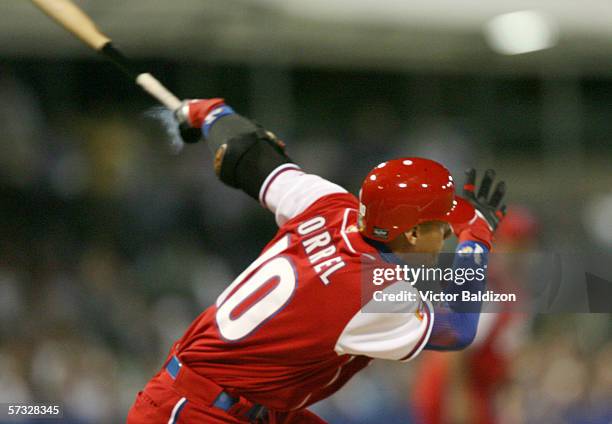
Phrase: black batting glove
x=488 y=206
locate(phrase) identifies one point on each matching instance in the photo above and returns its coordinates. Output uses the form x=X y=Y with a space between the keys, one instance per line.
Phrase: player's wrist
x=479 y=231
x=195 y=112
x=195 y=117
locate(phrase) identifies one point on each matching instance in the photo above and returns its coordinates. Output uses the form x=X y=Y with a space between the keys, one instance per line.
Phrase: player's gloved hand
x=488 y=212
x=191 y=116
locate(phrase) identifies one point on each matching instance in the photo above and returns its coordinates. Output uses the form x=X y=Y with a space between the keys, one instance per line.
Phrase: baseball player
x=479 y=374
x=290 y=330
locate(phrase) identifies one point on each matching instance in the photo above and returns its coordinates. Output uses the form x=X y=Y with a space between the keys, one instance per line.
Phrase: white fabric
x=397 y=334
x=288 y=191
x=175 y=410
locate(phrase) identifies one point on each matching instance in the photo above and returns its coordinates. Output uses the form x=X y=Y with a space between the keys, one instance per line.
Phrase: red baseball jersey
x=290 y=330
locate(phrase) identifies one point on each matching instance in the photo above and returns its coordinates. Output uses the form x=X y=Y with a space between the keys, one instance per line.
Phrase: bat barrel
x=68 y=15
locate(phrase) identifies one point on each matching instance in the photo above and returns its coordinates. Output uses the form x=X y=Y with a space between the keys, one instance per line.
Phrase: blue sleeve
x=455 y=323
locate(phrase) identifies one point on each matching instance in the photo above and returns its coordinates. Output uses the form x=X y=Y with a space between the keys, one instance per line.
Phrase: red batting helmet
x=401 y=193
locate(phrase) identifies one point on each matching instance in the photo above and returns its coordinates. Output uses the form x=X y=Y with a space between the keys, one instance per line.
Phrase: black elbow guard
x=245 y=154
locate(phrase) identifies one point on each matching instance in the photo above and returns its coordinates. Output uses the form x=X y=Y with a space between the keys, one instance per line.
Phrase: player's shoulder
x=331 y=207
x=338 y=214
x=333 y=204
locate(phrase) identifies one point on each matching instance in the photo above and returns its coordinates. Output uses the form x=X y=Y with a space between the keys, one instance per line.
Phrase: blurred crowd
x=110 y=246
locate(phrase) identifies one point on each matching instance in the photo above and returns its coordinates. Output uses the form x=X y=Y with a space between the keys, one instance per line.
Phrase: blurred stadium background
x=110 y=246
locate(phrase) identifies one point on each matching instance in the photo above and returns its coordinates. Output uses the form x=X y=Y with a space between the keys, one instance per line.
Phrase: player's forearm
x=456 y=322
x=452 y=330
x=469 y=255
x=244 y=153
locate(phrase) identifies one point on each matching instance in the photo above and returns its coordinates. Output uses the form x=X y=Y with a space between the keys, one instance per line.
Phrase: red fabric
x=487 y=364
x=477 y=231
x=199 y=110
x=486 y=372
x=432 y=377
x=520 y=224
x=155 y=403
x=289 y=361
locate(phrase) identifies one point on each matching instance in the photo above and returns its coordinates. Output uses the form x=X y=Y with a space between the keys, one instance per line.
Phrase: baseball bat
x=73 y=19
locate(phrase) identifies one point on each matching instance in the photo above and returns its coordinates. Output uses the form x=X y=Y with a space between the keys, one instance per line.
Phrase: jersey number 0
x=269 y=266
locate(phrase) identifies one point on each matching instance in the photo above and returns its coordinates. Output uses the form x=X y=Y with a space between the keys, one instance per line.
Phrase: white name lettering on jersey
x=319 y=248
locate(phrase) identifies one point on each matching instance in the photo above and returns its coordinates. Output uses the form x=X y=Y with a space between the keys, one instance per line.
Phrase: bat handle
x=151 y=85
